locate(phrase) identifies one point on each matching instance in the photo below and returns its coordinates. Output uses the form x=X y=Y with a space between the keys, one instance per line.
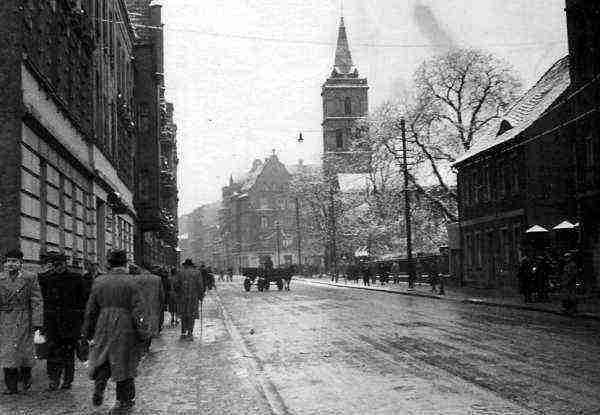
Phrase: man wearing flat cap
x=20 y=316
x=65 y=294
x=189 y=290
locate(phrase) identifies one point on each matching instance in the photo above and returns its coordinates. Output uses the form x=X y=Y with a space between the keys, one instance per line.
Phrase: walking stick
x=201 y=318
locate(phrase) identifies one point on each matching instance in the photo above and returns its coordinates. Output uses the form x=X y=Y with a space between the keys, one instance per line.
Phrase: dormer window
x=348 y=106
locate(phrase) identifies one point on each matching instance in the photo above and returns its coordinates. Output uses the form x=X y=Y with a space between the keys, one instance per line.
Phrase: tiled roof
x=530 y=107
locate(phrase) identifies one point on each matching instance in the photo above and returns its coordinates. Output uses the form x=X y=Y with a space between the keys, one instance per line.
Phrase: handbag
x=82 y=350
x=41 y=345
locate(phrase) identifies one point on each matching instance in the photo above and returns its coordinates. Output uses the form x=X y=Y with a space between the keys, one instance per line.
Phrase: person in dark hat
x=116 y=326
x=20 y=316
x=65 y=293
x=189 y=289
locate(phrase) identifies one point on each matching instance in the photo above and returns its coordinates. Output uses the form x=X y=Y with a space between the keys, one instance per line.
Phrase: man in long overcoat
x=20 y=316
x=189 y=289
x=65 y=294
x=150 y=287
x=116 y=325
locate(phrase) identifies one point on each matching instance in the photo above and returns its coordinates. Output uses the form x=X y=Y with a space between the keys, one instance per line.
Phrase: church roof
x=343 y=58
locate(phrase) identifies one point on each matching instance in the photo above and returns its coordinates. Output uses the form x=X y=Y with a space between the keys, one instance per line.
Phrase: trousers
x=125 y=390
x=187 y=324
x=61 y=360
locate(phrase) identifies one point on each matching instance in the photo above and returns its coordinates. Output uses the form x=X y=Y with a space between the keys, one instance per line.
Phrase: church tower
x=345 y=100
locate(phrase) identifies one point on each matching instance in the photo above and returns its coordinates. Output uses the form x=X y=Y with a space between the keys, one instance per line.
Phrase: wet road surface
x=330 y=350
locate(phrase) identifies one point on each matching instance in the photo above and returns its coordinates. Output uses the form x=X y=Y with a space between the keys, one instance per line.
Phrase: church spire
x=343 y=59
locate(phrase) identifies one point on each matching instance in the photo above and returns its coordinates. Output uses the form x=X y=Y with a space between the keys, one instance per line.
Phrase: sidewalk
x=590 y=308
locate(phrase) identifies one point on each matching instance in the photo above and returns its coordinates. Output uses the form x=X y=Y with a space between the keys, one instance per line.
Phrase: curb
x=587 y=316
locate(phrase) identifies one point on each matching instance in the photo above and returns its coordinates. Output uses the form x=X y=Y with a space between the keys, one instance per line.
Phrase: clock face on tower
x=345 y=102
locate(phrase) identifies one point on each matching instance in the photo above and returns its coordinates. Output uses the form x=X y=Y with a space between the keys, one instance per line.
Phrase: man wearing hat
x=189 y=289
x=115 y=324
x=20 y=316
x=65 y=294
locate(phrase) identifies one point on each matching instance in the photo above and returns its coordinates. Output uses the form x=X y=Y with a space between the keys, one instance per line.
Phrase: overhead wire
x=168 y=28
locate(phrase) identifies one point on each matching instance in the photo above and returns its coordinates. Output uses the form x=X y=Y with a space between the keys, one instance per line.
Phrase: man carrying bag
x=20 y=316
x=65 y=295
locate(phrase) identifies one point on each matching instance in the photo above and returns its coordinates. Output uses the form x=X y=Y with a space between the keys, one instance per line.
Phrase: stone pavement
x=208 y=376
x=588 y=307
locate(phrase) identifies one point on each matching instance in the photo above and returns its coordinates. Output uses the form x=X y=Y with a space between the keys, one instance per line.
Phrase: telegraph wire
x=167 y=28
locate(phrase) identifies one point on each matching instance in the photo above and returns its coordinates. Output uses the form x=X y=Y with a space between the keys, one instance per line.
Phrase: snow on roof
x=352 y=182
x=530 y=107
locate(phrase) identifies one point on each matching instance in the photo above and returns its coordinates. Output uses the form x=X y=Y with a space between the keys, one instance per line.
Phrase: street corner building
x=259 y=219
x=540 y=166
x=72 y=143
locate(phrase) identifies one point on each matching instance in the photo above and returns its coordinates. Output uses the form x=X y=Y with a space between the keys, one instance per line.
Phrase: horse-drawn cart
x=264 y=277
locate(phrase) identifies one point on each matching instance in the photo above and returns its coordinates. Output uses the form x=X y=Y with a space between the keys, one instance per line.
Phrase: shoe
x=52 y=386
x=98 y=396
x=122 y=408
x=66 y=385
x=11 y=379
x=183 y=337
x=26 y=378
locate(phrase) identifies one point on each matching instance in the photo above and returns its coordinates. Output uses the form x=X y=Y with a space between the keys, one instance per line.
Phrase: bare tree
x=460 y=95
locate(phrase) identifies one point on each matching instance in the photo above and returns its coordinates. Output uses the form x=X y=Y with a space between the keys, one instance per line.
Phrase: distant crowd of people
x=108 y=319
x=535 y=283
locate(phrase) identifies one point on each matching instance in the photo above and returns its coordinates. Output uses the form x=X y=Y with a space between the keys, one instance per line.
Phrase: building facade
x=156 y=157
x=69 y=142
x=540 y=169
x=259 y=219
x=66 y=179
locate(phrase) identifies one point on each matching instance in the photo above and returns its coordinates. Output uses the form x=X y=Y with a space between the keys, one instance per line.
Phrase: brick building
x=258 y=219
x=540 y=168
x=66 y=140
x=156 y=159
x=69 y=142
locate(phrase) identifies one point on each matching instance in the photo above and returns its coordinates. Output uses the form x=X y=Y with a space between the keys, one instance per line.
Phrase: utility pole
x=278 y=256
x=333 y=250
x=298 y=240
x=407 y=215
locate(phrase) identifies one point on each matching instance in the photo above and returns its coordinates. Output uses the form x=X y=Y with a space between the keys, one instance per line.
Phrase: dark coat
x=189 y=289
x=151 y=290
x=65 y=295
x=20 y=313
x=115 y=320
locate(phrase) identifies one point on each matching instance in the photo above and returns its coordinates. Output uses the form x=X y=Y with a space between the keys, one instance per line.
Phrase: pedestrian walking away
x=116 y=326
x=65 y=292
x=20 y=316
x=189 y=288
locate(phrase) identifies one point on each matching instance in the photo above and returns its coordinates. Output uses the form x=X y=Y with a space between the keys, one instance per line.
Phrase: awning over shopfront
x=536 y=229
x=565 y=225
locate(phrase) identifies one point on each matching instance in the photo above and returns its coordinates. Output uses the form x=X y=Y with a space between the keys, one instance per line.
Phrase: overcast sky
x=245 y=75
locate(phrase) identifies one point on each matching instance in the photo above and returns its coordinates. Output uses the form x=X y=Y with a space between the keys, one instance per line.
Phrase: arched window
x=339 y=139
x=348 y=106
